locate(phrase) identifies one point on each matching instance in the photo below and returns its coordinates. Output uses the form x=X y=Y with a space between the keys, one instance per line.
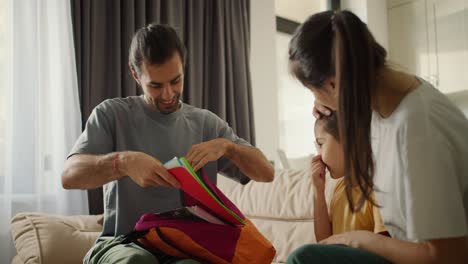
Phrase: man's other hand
x=200 y=154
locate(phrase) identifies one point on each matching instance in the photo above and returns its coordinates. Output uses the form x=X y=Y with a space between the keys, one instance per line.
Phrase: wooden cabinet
x=430 y=39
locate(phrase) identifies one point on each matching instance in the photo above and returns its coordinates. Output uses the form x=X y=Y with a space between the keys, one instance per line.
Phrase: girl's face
x=331 y=151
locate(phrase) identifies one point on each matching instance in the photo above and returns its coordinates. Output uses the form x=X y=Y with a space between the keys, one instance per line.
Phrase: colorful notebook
x=194 y=185
x=190 y=212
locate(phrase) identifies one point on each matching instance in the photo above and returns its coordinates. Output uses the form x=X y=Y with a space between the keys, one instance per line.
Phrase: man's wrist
x=125 y=158
x=120 y=162
x=117 y=165
x=109 y=165
x=229 y=148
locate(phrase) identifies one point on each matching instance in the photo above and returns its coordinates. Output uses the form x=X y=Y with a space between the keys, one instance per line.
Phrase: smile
x=168 y=103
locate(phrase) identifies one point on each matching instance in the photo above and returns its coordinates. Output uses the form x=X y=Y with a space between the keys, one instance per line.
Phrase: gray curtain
x=215 y=32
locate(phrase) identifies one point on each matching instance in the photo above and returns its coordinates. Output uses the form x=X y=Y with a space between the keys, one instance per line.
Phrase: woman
x=402 y=138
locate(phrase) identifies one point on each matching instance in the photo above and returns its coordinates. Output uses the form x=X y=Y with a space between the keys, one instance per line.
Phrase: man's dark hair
x=154 y=44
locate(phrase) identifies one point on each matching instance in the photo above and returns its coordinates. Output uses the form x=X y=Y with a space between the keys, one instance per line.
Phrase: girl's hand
x=317 y=169
x=355 y=239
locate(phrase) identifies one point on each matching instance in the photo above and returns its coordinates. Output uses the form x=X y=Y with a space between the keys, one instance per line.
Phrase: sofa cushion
x=282 y=210
x=17 y=260
x=41 y=238
x=286 y=235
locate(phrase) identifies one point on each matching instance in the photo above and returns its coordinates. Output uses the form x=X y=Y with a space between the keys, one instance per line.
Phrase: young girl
x=341 y=218
x=401 y=138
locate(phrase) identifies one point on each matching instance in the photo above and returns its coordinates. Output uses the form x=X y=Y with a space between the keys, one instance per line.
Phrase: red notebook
x=194 y=185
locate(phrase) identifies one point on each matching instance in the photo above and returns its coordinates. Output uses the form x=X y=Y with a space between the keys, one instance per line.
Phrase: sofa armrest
x=43 y=238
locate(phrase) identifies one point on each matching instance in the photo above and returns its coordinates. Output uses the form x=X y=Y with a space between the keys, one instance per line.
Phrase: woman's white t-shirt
x=421 y=158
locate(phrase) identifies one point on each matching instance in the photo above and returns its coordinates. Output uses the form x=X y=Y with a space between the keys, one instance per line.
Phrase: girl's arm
x=448 y=250
x=322 y=224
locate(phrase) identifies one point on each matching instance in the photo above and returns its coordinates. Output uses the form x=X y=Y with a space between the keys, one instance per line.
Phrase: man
x=126 y=140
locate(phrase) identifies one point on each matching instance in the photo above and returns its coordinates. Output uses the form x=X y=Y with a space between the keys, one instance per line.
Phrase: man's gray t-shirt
x=128 y=124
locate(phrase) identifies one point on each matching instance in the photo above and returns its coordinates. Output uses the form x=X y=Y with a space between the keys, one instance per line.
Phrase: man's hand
x=201 y=154
x=317 y=171
x=145 y=170
x=320 y=110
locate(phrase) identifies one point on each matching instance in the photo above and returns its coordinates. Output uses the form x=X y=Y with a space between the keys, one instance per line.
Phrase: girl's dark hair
x=339 y=44
x=329 y=124
x=154 y=44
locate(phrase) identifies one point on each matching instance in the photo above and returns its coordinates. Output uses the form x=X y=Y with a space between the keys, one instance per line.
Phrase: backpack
x=200 y=240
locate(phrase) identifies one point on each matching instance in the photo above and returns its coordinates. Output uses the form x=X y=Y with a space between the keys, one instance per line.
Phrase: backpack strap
x=134 y=236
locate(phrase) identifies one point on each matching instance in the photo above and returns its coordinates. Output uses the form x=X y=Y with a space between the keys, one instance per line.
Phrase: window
x=295 y=102
x=5 y=53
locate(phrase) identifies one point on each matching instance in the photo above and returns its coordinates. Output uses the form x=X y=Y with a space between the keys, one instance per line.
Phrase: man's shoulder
x=193 y=109
x=118 y=104
x=198 y=112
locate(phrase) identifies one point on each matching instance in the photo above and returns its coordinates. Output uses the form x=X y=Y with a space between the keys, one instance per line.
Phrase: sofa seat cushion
x=285 y=235
x=49 y=239
x=282 y=210
x=17 y=260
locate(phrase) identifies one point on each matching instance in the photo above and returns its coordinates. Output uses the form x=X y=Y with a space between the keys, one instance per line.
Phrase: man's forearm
x=251 y=162
x=85 y=171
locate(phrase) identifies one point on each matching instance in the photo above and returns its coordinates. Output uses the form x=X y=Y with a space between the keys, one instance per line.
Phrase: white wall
x=464 y=108
x=461 y=100
x=296 y=122
x=264 y=81
x=299 y=10
x=372 y=12
x=377 y=20
x=358 y=7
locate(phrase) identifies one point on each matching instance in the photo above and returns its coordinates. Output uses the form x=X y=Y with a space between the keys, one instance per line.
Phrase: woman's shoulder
x=427 y=101
x=424 y=113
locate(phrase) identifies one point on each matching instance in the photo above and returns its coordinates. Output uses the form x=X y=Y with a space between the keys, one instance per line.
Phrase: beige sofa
x=282 y=211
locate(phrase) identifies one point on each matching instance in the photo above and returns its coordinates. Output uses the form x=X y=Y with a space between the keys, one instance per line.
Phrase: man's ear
x=135 y=75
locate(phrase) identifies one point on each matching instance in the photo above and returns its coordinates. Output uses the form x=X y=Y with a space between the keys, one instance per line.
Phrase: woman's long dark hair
x=339 y=44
